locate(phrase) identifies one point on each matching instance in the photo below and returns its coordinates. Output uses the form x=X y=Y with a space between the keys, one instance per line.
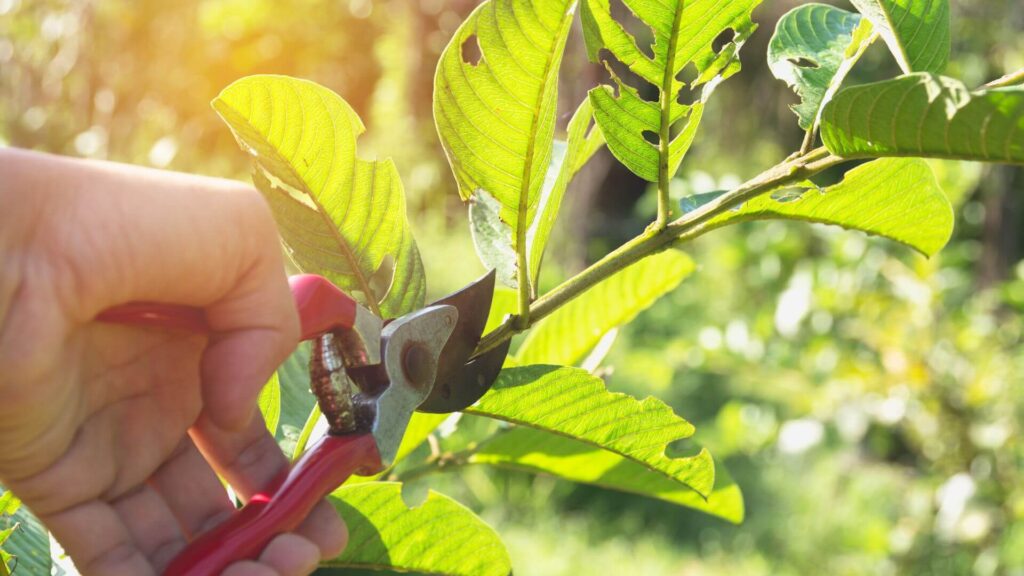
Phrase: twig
x=1011 y=79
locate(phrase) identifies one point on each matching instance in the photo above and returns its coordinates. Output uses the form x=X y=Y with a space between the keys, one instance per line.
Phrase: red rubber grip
x=153 y=314
x=322 y=305
x=244 y=535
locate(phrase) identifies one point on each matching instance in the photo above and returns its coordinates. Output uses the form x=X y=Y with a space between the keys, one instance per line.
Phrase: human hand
x=111 y=434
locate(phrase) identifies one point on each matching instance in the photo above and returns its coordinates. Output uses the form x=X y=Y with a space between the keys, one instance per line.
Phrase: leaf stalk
x=809 y=138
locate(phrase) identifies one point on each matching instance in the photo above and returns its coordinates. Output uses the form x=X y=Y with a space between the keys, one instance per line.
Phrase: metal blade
x=463 y=388
x=461 y=381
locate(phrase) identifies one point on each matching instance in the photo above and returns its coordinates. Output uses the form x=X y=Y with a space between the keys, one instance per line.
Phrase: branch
x=654 y=240
x=1011 y=79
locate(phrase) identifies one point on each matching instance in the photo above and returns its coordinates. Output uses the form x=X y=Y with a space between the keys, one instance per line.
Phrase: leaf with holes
x=926 y=115
x=495 y=100
x=538 y=452
x=651 y=138
x=566 y=336
x=814 y=47
x=574 y=403
x=916 y=31
x=341 y=217
x=439 y=536
x=896 y=198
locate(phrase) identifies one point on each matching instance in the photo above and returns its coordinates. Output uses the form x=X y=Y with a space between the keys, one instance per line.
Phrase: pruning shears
x=369 y=376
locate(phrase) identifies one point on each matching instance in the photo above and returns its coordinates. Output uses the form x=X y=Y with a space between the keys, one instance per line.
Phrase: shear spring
x=331 y=384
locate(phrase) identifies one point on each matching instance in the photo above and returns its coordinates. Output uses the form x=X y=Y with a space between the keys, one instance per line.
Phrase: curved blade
x=460 y=381
x=465 y=386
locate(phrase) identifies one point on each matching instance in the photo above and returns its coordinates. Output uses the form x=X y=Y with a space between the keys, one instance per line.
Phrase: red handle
x=157 y=315
x=244 y=535
x=322 y=307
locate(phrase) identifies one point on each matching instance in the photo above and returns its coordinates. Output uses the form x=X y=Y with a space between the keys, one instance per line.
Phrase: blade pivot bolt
x=418 y=364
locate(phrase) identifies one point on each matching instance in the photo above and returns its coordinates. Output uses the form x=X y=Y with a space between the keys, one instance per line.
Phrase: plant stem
x=1011 y=79
x=809 y=139
x=652 y=241
x=522 y=319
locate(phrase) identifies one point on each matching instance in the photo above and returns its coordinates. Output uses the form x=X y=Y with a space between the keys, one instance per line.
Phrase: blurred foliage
x=867 y=400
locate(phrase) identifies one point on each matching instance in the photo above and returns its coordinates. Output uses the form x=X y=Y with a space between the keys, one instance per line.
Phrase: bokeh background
x=868 y=401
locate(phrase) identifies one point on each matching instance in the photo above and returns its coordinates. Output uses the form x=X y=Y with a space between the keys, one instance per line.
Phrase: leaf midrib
x=518 y=466
x=667 y=98
x=596 y=445
x=346 y=249
x=526 y=288
x=903 y=56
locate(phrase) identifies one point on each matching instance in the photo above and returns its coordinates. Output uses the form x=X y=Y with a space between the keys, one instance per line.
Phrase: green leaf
x=503 y=303
x=28 y=542
x=684 y=33
x=814 y=47
x=896 y=198
x=341 y=217
x=566 y=336
x=583 y=140
x=928 y=116
x=538 y=452
x=958 y=179
x=695 y=201
x=306 y=433
x=574 y=403
x=916 y=31
x=495 y=100
x=296 y=400
x=269 y=402
x=439 y=536
x=493 y=238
